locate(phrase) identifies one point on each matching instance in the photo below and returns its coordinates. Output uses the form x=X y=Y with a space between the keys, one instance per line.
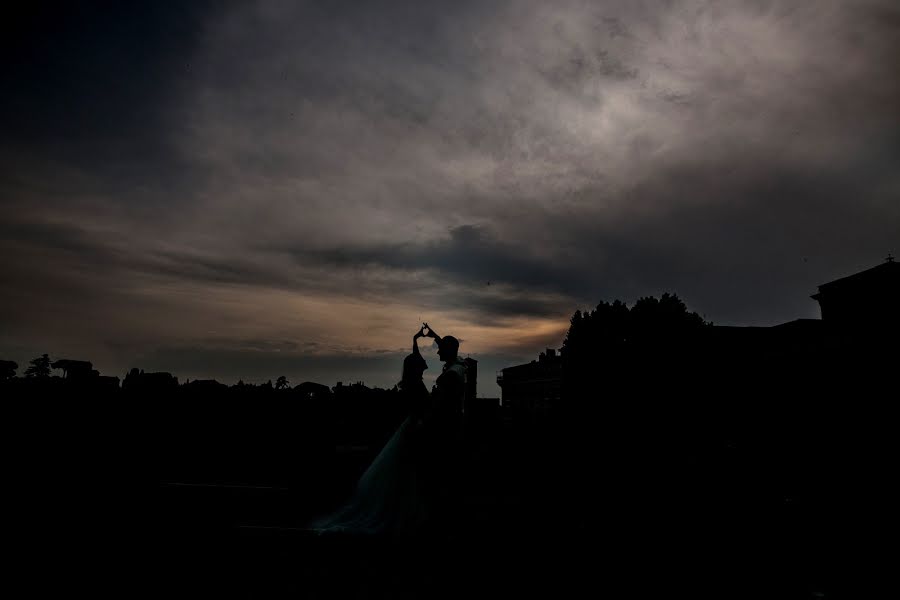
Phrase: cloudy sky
x=241 y=190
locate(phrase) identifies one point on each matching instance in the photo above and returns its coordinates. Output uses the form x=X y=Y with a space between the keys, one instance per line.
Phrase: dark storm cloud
x=227 y=161
x=469 y=254
x=55 y=236
x=94 y=71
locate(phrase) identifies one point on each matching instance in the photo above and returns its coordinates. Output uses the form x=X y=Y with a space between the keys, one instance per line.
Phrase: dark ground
x=118 y=500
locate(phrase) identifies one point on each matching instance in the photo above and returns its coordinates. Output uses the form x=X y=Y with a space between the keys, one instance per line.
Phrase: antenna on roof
x=890 y=258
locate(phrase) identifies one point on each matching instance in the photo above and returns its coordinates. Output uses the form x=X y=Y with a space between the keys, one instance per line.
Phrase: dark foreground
x=534 y=549
x=134 y=499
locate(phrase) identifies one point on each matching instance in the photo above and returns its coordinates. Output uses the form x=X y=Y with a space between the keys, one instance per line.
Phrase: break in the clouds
x=283 y=183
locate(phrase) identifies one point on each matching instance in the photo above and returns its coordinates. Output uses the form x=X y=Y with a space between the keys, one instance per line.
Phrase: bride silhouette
x=392 y=496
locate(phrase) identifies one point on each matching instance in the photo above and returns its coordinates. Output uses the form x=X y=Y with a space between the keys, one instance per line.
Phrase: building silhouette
x=140 y=382
x=869 y=299
x=471 y=378
x=530 y=391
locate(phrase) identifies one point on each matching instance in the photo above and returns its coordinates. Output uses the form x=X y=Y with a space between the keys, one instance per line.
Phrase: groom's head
x=448 y=348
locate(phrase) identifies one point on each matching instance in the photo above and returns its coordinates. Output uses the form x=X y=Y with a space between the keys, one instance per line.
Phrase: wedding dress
x=390 y=497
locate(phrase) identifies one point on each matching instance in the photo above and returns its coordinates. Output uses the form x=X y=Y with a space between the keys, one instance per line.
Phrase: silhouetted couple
x=411 y=487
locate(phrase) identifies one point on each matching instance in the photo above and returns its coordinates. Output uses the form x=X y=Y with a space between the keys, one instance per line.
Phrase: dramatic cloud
x=302 y=183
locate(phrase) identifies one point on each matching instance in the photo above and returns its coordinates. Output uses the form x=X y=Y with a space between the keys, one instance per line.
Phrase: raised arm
x=431 y=333
x=416 y=341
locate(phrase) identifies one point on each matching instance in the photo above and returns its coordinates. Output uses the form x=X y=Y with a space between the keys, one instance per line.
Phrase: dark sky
x=249 y=189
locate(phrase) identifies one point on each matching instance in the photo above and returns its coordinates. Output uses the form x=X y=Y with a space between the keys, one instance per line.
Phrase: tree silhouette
x=39 y=369
x=281 y=383
x=613 y=330
x=613 y=351
x=8 y=369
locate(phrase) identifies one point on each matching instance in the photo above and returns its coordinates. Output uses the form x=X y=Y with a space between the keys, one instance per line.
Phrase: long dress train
x=389 y=498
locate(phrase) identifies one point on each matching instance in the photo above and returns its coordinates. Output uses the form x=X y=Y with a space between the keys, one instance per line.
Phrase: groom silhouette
x=444 y=433
x=450 y=386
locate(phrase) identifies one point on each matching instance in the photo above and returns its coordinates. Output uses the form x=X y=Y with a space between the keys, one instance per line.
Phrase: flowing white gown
x=389 y=498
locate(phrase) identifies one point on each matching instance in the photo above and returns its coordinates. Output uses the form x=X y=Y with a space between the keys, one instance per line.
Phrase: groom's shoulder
x=454 y=371
x=455 y=378
x=456 y=368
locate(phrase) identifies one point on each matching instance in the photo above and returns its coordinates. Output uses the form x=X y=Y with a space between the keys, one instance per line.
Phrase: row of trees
x=38 y=368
